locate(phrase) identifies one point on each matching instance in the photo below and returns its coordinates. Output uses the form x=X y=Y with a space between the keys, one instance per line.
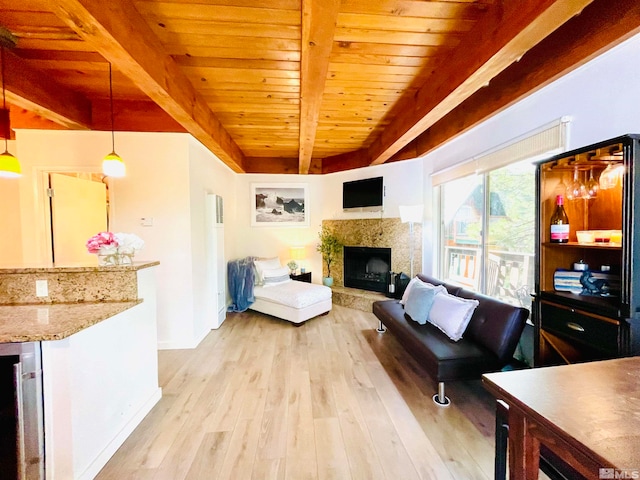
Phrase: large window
x=487 y=232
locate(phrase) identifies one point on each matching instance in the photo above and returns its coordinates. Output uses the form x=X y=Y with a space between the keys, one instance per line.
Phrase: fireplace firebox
x=367 y=268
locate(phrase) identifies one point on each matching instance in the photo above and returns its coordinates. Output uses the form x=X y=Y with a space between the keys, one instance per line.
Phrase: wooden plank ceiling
x=296 y=86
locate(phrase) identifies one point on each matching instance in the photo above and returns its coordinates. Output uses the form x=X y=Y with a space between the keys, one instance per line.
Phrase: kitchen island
x=96 y=329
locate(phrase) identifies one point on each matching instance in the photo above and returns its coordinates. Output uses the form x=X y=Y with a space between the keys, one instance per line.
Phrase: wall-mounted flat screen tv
x=367 y=193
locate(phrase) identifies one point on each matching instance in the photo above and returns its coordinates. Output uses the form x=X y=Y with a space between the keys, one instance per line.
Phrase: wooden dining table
x=587 y=414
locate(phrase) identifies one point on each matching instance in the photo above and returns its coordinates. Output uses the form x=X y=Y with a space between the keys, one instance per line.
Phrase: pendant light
x=112 y=165
x=9 y=165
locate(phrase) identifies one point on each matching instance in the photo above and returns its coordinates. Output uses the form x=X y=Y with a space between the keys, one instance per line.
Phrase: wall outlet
x=42 y=288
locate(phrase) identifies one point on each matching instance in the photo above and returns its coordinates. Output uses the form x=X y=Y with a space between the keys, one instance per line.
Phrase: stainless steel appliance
x=21 y=411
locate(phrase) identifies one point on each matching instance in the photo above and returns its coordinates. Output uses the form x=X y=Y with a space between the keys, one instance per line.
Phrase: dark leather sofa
x=487 y=345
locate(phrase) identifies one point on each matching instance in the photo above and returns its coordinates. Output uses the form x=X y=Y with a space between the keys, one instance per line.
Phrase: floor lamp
x=412 y=214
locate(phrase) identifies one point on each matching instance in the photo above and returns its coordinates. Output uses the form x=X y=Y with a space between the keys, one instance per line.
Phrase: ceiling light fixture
x=112 y=165
x=9 y=165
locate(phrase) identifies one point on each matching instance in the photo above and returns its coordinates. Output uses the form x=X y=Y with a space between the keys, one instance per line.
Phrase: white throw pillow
x=452 y=314
x=275 y=272
x=275 y=276
x=266 y=264
x=272 y=282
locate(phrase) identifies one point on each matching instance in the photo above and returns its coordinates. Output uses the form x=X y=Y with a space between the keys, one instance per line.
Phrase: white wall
x=403 y=183
x=157 y=186
x=167 y=176
x=267 y=241
x=601 y=98
x=207 y=174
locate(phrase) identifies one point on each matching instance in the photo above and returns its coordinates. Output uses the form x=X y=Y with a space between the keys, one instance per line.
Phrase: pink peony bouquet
x=103 y=243
x=114 y=244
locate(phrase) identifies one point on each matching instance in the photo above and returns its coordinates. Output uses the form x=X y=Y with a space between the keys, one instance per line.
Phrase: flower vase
x=114 y=259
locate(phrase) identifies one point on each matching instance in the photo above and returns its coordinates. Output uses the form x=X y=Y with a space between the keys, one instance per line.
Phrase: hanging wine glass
x=577 y=189
x=608 y=178
x=619 y=172
x=561 y=188
x=592 y=185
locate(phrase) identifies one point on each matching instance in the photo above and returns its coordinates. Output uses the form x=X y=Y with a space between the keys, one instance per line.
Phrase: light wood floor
x=262 y=399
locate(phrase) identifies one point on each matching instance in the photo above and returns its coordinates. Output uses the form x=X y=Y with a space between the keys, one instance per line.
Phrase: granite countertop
x=89 y=267
x=34 y=323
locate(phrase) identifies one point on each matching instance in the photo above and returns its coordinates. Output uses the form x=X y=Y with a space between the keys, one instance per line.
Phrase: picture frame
x=279 y=205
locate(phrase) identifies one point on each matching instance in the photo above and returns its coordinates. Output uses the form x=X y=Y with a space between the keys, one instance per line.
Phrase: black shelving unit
x=575 y=326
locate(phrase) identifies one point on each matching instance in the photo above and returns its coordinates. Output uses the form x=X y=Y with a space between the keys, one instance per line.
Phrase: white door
x=216 y=269
x=78 y=211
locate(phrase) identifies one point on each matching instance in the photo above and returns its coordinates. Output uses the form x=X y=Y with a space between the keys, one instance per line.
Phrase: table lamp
x=297 y=253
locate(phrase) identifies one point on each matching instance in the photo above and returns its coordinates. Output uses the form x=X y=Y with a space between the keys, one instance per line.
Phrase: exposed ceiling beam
x=345 y=161
x=22 y=118
x=500 y=39
x=578 y=41
x=119 y=33
x=318 y=27
x=279 y=165
x=33 y=90
x=133 y=116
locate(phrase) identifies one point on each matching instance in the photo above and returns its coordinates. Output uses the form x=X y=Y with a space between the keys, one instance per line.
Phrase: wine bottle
x=559 y=222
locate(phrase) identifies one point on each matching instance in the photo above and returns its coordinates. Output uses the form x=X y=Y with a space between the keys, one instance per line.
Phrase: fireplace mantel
x=378 y=232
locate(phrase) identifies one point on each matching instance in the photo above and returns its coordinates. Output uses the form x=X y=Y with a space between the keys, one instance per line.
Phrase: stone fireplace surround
x=372 y=232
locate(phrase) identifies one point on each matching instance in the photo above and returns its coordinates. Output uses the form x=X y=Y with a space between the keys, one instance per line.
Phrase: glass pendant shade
x=9 y=166
x=113 y=166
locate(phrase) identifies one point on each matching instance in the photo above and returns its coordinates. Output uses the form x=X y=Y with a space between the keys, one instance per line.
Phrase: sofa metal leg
x=502 y=438
x=380 y=328
x=440 y=398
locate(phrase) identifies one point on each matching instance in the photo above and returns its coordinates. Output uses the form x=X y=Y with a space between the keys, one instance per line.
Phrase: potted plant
x=293 y=266
x=329 y=247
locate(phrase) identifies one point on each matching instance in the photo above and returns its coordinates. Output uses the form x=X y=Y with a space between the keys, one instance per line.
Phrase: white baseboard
x=101 y=460
x=170 y=345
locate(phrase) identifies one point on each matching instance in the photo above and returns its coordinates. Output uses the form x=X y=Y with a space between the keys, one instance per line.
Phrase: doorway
x=78 y=210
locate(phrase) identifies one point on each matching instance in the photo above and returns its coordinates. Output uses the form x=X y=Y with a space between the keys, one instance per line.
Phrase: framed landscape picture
x=279 y=205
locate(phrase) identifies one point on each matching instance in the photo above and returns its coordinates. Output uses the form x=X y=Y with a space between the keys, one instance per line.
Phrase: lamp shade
x=411 y=213
x=9 y=166
x=113 y=166
x=297 y=253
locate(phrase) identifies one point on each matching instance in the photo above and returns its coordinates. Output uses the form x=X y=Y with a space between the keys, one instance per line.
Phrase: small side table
x=303 y=277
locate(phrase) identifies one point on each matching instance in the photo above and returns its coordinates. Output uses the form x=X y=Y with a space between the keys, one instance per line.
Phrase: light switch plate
x=42 y=289
x=146 y=221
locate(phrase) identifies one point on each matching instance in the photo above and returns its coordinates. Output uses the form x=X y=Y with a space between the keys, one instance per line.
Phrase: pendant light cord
x=4 y=96
x=113 y=141
x=4 y=103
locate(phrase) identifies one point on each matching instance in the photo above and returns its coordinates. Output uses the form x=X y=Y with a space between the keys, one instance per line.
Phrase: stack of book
x=569 y=280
